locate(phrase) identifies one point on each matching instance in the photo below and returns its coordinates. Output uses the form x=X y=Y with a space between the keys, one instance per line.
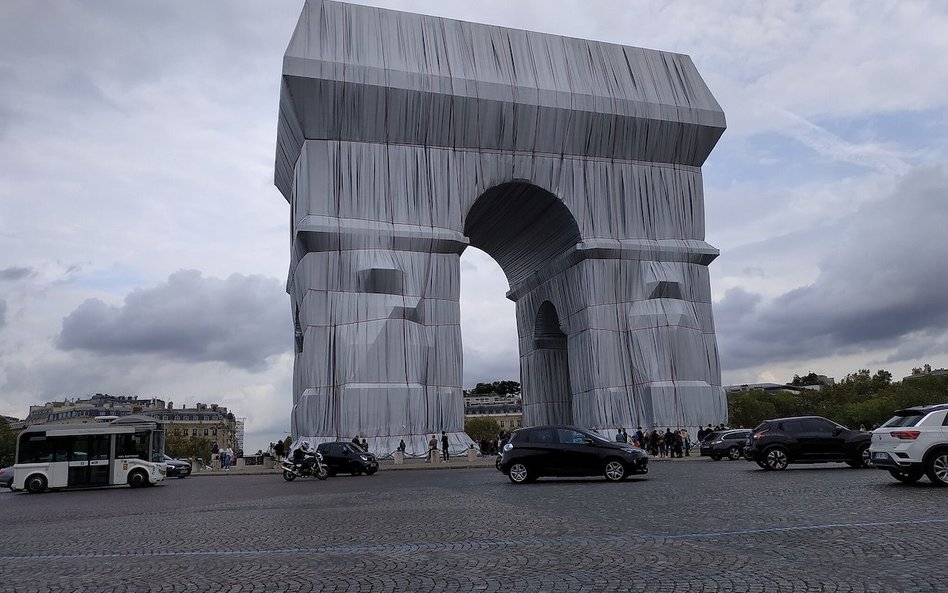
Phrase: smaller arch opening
x=547 y=397
x=547 y=333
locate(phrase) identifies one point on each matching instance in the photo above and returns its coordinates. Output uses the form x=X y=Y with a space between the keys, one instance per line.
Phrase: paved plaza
x=687 y=526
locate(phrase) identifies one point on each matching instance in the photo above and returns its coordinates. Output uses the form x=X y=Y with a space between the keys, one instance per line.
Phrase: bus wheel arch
x=137 y=478
x=35 y=483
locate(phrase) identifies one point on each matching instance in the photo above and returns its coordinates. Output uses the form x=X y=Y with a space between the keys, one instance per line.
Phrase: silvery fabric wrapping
x=575 y=164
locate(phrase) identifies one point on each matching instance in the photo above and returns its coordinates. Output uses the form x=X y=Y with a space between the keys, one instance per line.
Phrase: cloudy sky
x=144 y=248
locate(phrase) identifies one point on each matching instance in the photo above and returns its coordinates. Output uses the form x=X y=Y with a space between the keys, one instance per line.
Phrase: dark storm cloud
x=882 y=284
x=240 y=321
x=15 y=273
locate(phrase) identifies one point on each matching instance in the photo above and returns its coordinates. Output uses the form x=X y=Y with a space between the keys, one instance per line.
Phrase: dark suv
x=568 y=451
x=806 y=439
x=347 y=458
x=724 y=443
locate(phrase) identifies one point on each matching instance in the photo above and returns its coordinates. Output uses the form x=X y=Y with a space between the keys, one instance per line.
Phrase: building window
x=205 y=432
x=214 y=432
x=501 y=423
x=194 y=432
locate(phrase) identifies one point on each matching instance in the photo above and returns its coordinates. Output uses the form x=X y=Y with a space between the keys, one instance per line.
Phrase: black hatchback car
x=724 y=443
x=806 y=439
x=568 y=451
x=346 y=458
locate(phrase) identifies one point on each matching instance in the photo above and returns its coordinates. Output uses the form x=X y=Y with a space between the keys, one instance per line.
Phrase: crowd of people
x=667 y=443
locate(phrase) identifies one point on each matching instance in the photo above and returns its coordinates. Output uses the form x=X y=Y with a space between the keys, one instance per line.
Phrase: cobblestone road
x=693 y=526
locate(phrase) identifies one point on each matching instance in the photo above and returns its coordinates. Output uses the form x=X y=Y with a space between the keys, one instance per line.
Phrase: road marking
x=475 y=544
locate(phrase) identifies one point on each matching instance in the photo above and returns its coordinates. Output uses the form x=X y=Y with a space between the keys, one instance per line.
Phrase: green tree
x=7 y=443
x=750 y=408
x=860 y=399
x=180 y=445
x=498 y=387
x=481 y=428
x=810 y=378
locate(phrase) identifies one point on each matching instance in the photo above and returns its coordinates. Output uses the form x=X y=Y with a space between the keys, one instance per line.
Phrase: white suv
x=914 y=443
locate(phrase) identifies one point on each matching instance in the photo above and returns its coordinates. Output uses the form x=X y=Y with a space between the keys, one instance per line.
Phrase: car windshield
x=903 y=419
x=596 y=437
x=713 y=436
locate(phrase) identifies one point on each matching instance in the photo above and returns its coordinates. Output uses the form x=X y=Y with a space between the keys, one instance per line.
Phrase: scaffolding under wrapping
x=575 y=164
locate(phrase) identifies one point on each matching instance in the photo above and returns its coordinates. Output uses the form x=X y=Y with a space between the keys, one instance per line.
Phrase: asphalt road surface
x=692 y=526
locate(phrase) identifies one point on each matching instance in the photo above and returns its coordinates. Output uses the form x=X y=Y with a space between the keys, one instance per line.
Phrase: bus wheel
x=36 y=483
x=137 y=479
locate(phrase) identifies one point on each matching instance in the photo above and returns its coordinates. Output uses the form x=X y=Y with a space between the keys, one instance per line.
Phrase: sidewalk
x=410 y=464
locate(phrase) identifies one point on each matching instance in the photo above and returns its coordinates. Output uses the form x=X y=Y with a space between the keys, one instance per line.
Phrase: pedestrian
x=444 y=446
x=279 y=449
x=401 y=446
x=621 y=436
x=687 y=438
x=432 y=449
x=355 y=441
x=365 y=445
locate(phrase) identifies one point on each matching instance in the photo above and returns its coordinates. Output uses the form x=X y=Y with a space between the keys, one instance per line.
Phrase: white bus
x=128 y=450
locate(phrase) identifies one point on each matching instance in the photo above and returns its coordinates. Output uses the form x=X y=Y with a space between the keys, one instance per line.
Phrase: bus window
x=132 y=446
x=157 y=446
x=34 y=449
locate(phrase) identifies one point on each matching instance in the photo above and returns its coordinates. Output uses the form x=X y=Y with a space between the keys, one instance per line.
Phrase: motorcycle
x=311 y=466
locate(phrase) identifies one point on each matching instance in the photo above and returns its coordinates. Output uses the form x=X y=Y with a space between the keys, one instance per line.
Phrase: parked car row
x=910 y=445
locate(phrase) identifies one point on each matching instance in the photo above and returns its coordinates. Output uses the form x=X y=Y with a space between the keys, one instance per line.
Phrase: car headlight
x=508 y=447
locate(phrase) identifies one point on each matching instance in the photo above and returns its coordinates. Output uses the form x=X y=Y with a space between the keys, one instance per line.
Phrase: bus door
x=89 y=460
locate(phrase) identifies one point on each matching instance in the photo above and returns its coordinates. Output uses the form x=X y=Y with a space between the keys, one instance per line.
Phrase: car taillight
x=906 y=435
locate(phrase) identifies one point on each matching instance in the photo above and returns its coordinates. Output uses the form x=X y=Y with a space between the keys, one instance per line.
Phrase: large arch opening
x=524 y=228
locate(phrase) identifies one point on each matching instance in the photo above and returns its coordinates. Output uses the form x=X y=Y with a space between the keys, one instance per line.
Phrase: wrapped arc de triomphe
x=575 y=164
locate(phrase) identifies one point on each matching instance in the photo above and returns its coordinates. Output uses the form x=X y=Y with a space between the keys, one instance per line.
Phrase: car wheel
x=937 y=469
x=776 y=459
x=614 y=471
x=734 y=453
x=519 y=473
x=906 y=477
x=288 y=475
x=497 y=463
x=370 y=472
x=35 y=483
x=863 y=458
x=137 y=479
x=357 y=472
